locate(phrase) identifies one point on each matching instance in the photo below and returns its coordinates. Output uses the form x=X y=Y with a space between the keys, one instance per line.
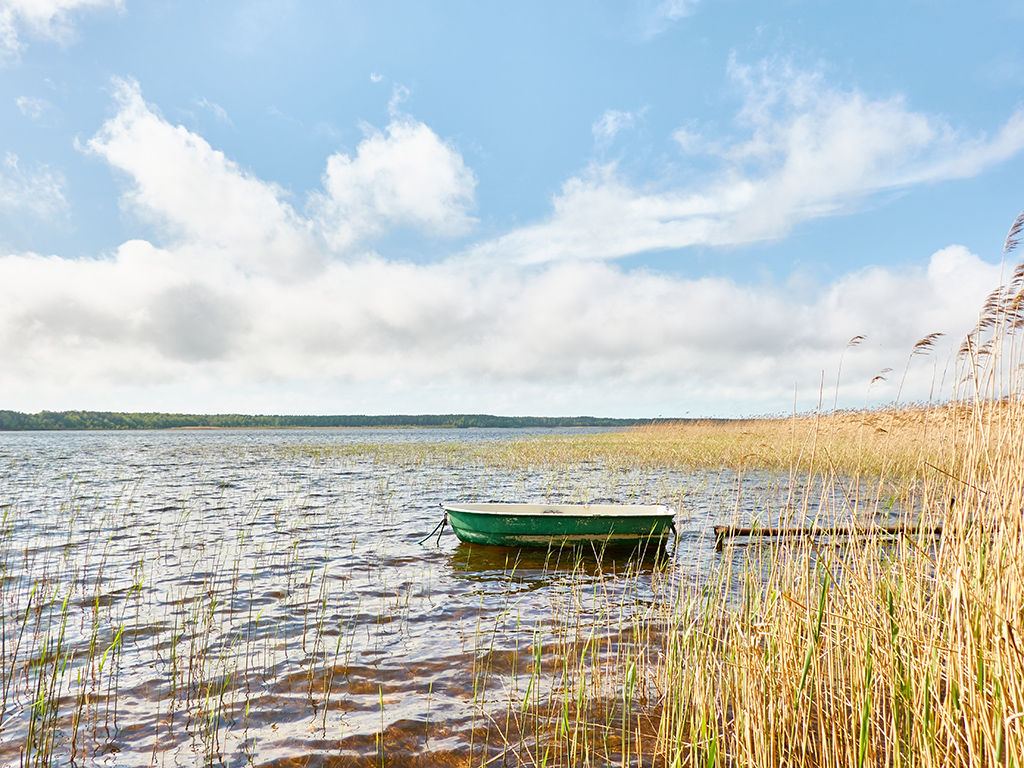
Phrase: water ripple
x=260 y=598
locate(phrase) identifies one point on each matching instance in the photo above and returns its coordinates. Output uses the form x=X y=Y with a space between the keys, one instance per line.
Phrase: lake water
x=261 y=597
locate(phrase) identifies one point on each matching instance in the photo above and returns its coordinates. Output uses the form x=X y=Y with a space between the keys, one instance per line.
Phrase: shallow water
x=262 y=597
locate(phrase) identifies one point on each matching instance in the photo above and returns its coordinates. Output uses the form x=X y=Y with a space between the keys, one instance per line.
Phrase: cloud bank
x=250 y=300
x=578 y=333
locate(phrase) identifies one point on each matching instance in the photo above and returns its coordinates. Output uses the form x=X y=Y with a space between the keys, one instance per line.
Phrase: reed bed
x=899 y=443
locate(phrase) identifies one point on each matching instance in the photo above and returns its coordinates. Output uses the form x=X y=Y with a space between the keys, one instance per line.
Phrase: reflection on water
x=255 y=597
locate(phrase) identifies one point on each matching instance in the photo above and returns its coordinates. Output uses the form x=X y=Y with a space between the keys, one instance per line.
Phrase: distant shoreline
x=417 y=426
x=14 y=421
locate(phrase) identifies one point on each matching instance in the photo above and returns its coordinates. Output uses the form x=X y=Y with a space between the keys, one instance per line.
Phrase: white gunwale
x=573 y=510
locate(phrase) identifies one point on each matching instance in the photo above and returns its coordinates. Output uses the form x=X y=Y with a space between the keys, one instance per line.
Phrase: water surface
x=238 y=597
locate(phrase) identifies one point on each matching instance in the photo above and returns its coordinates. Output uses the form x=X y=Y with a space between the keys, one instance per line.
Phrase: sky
x=644 y=208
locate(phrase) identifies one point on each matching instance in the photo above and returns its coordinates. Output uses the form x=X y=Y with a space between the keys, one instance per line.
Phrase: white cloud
x=33 y=107
x=50 y=19
x=608 y=127
x=218 y=111
x=692 y=143
x=399 y=94
x=816 y=151
x=405 y=175
x=656 y=16
x=808 y=151
x=39 y=192
x=199 y=197
x=565 y=337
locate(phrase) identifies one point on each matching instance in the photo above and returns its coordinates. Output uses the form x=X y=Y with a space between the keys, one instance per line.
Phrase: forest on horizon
x=80 y=420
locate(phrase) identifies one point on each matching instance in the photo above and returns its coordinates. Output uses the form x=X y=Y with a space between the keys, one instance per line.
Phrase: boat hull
x=561 y=525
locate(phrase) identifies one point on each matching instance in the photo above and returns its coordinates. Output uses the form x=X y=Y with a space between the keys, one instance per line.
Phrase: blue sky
x=630 y=209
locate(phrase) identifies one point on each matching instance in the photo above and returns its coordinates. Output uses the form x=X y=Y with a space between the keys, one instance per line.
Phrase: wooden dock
x=722 y=532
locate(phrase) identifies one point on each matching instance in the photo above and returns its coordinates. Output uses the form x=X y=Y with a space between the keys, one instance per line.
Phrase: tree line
x=13 y=420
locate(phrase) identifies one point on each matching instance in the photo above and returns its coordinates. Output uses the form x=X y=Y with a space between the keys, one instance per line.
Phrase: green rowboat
x=557 y=525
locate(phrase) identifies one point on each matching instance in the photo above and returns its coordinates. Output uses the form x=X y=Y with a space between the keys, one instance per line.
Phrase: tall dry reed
x=856 y=652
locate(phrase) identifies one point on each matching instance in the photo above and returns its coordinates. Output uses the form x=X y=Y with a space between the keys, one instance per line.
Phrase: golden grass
x=859 y=653
x=897 y=442
x=900 y=443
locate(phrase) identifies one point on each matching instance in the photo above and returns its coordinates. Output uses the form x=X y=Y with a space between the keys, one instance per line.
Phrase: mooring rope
x=438 y=530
